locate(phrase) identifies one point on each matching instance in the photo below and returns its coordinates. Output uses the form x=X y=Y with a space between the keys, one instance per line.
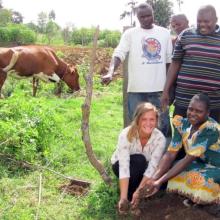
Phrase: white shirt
x=153 y=151
x=149 y=52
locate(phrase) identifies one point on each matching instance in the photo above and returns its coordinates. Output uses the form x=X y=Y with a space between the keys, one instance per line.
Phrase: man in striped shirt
x=195 y=64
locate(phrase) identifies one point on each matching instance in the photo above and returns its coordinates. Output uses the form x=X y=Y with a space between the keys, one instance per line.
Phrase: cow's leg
x=35 y=85
x=3 y=77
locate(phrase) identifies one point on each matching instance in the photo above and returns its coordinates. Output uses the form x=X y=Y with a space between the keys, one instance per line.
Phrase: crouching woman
x=196 y=176
x=139 y=150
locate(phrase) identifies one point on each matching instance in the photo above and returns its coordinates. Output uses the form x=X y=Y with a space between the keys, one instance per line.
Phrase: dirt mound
x=75 y=187
x=77 y=56
x=170 y=207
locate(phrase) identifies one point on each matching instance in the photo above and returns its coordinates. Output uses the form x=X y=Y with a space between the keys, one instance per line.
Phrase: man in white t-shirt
x=150 y=49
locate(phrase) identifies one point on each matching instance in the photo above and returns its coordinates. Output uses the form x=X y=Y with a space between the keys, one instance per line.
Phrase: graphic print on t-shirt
x=151 y=50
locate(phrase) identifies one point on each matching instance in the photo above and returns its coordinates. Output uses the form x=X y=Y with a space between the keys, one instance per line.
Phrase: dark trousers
x=138 y=165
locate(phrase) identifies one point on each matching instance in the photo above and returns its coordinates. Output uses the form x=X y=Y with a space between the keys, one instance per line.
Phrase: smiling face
x=197 y=112
x=146 y=123
x=206 y=21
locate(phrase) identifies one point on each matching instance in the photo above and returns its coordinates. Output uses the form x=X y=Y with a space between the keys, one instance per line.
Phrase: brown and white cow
x=39 y=62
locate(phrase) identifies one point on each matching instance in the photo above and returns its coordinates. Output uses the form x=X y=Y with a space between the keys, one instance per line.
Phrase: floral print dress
x=200 y=180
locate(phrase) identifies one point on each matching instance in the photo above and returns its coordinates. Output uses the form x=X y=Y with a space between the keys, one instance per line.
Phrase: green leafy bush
x=4 y=34
x=21 y=34
x=101 y=203
x=26 y=128
x=17 y=33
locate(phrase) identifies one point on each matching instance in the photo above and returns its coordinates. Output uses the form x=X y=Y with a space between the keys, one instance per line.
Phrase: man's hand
x=106 y=79
x=142 y=190
x=153 y=188
x=165 y=100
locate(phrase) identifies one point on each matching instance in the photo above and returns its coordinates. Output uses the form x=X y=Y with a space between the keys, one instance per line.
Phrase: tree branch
x=86 y=113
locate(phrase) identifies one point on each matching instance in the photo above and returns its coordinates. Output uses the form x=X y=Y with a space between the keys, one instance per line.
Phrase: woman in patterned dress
x=197 y=175
x=139 y=150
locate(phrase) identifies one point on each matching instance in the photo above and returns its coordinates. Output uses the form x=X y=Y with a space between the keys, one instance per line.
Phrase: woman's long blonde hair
x=140 y=110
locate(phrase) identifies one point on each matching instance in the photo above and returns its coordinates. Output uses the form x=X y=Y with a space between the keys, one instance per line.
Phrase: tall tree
x=17 y=17
x=51 y=30
x=1 y=5
x=32 y=26
x=66 y=32
x=5 y=16
x=52 y=15
x=179 y=2
x=162 y=11
x=130 y=12
x=42 y=21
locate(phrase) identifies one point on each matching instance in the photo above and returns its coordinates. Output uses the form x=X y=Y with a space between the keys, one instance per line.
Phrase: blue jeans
x=153 y=97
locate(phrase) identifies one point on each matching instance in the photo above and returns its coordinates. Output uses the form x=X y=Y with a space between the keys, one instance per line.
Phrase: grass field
x=30 y=126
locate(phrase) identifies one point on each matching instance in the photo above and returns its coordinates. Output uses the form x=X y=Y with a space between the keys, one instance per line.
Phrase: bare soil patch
x=170 y=207
x=75 y=188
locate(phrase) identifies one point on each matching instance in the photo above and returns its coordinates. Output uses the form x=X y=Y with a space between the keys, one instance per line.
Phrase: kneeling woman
x=196 y=176
x=139 y=150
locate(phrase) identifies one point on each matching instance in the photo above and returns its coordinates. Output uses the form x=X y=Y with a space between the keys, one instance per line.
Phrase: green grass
x=65 y=153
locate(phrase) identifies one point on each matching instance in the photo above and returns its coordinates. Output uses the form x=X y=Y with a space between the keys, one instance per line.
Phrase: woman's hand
x=123 y=206
x=135 y=198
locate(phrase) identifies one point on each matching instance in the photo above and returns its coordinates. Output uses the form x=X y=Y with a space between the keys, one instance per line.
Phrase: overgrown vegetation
x=46 y=131
x=47 y=31
x=18 y=33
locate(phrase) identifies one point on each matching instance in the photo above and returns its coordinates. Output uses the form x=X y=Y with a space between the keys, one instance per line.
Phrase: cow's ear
x=73 y=69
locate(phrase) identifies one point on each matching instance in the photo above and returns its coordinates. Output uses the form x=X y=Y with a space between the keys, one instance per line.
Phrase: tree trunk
x=85 y=115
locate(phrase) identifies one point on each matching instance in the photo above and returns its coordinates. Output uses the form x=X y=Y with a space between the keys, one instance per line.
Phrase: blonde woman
x=139 y=150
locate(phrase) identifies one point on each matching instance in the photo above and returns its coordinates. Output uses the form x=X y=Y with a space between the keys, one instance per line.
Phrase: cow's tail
x=12 y=62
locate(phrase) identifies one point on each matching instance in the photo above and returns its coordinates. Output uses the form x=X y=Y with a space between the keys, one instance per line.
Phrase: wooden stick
x=39 y=197
x=86 y=113
x=29 y=165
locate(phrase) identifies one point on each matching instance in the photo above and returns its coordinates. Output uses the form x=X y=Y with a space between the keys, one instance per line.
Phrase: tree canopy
x=162 y=11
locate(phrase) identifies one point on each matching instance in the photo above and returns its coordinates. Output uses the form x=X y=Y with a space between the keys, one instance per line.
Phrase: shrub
x=17 y=33
x=26 y=128
x=21 y=34
x=4 y=34
x=102 y=202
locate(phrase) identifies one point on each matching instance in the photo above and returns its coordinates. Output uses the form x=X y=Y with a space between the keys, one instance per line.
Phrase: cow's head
x=71 y=78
